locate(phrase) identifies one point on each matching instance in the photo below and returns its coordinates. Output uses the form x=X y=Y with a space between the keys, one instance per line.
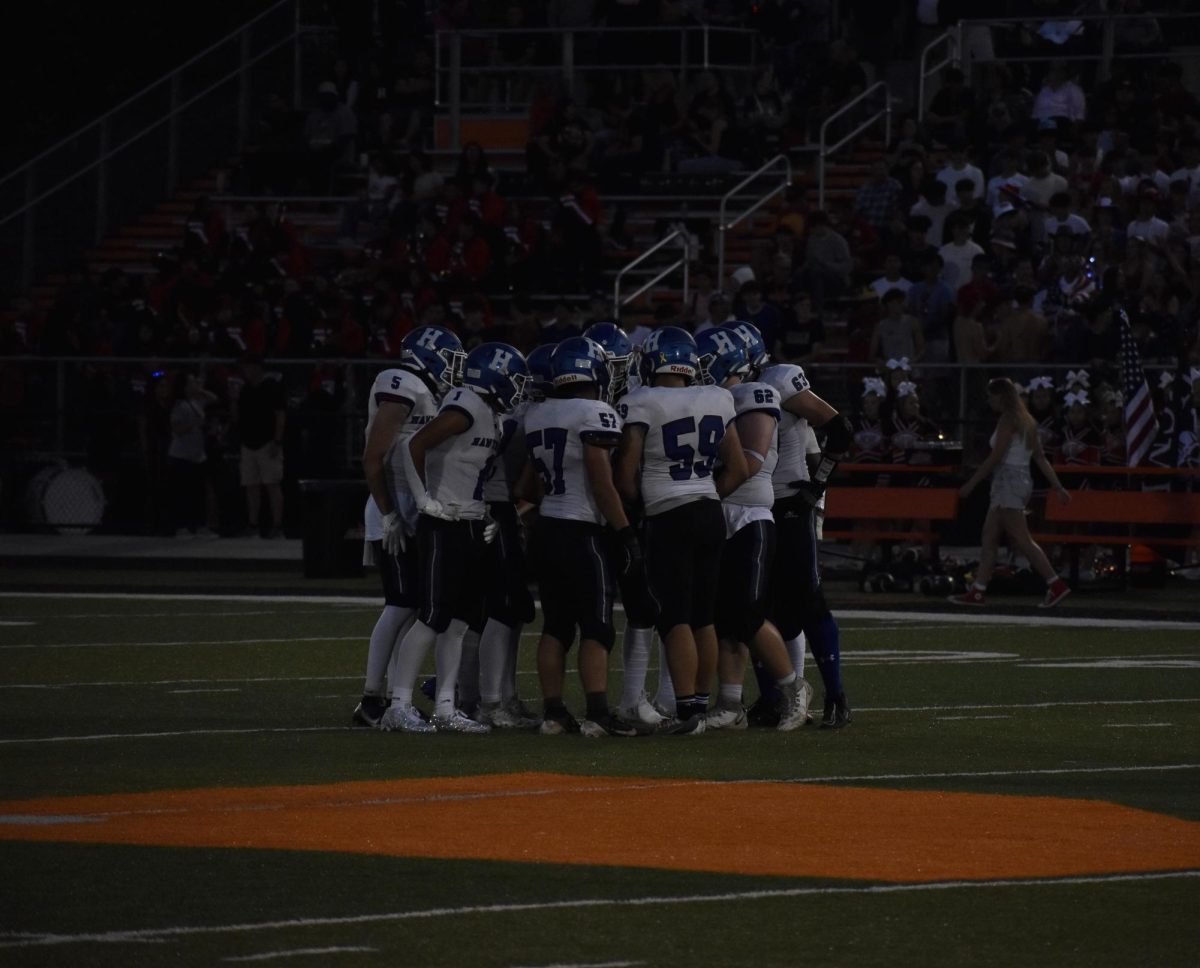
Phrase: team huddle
x=683 y=475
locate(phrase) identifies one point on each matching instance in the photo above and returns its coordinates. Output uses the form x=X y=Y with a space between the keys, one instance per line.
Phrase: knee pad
x=603 y=632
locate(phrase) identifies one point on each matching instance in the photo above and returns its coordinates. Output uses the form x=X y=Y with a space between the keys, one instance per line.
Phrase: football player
x=509 y=604
x=673 y=436
x=750 y=542
x=569 y=438
x=444 y=462
x=798 y=599
x=638 y=635
x=403 y=399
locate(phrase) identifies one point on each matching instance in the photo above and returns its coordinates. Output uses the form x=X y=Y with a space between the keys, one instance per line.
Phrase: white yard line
x=169 y=682
x=1060 y=771
x=903 y=617
x=942 y=719
x=16 y=623
x=294 y=952
x=586 y=964
x=31 y=940
x=1134 y=725
x=1023 y=705
x=187 y=642
x=183 y=692
x=174 y=733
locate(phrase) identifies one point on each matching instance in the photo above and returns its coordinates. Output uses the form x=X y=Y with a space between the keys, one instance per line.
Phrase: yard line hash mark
x=293 y=952
x=183 y=692
x=32 y=940
x=1134 y=725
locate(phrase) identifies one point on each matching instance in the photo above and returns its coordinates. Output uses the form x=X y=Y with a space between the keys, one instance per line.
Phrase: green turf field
x=123 y=696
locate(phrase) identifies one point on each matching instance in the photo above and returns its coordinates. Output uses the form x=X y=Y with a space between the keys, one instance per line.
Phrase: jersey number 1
x=711 y=430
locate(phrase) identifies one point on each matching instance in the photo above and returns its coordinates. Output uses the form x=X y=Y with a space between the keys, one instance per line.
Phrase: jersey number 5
x=708 y=439
x=554 y=441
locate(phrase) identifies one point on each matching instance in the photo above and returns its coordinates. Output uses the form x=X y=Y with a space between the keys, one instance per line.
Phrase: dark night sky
x=68 y=62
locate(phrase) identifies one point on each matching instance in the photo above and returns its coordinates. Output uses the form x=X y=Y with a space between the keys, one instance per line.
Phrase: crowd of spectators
x=1006 y=227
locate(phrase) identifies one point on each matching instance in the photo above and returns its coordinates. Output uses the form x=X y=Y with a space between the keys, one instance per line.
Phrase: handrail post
x=568 y=60
x=455 y=88
x=1108 y=40
x=297 y=73
x=706 y=46
x=173 y=138
x=29 y=230
x=685 y=240
x=60 y=408
x=244 y=86
x=102 y=183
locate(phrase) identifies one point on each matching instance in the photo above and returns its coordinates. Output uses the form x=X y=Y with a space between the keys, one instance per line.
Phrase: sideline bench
x=1127 y=510
x=887 y=504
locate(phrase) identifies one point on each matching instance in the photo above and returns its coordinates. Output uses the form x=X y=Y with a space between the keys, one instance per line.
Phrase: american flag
x=1140 y=426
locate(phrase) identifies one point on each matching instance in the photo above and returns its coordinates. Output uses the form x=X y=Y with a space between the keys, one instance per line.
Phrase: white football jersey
x=401 y=386
x=505 y=467
x=555 y=434
x=757 y=398
x=684 y=427
x=787 y=380
x=454 y=469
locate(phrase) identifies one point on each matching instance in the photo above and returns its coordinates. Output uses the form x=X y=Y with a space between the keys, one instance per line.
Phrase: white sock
x=635 y=651
x=665 y=698
x=468 y=669
x=729 y=694
x=795 y=650
x=407 y=661
x=508 y=685
x=979 y=586
x=493 y=659
x=446 y=658
x=786 y=680
x=391 y=624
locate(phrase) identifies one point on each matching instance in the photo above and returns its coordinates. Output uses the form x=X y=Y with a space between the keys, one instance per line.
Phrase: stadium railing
x=824 y=149
x=724 y=224
x=953 y=40
x=679 y=236
x=69 y=196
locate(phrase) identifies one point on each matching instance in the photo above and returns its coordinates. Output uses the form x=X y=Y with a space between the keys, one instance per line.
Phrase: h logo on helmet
x=500 y=361
x=723 y=341
x=428 y=339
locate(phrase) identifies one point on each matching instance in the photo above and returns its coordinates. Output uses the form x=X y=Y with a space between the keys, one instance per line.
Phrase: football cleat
x=459 y=722
x=405 y=719
x=607 y=726
x=693 y=726
x=641 y=713
x=558 y=725
x=763 y=713
x=837 y=712
x=369 y=712
x=794 y=711
x=724 y=717
x=528 y=718
x=499 y=716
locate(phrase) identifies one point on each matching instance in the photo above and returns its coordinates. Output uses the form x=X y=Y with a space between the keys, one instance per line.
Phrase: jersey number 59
x=678 y=437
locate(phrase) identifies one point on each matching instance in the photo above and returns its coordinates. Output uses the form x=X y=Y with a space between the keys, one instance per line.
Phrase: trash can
x=332 y=535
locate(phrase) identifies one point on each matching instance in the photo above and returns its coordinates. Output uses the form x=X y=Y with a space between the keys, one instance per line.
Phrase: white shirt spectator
x=951 y=176
x=958 y=263
x=937 y=218
x=1153 y=229
x=1065 y=101
x=999 y=181
x=1040 y=190
x=883 y=284
x=1075 y=223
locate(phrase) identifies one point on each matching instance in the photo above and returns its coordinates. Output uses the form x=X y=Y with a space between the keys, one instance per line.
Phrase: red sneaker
x=1055 y=593
x=972 y=596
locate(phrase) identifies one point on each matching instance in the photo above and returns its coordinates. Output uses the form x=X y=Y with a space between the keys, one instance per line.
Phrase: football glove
x=810 y=491
x=393 y=533
x=436 y=509
x=490 y=527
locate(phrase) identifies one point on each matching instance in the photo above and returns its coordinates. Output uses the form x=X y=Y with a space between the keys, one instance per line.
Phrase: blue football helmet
x=498 y=373
x=756 y=346
x=541 y=376
x=722 y=355
x=435 y=354
x=669 y=351
x=578 y=359
x=619 y=351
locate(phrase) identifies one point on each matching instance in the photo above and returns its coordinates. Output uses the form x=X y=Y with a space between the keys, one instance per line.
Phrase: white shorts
x=1012 y=487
